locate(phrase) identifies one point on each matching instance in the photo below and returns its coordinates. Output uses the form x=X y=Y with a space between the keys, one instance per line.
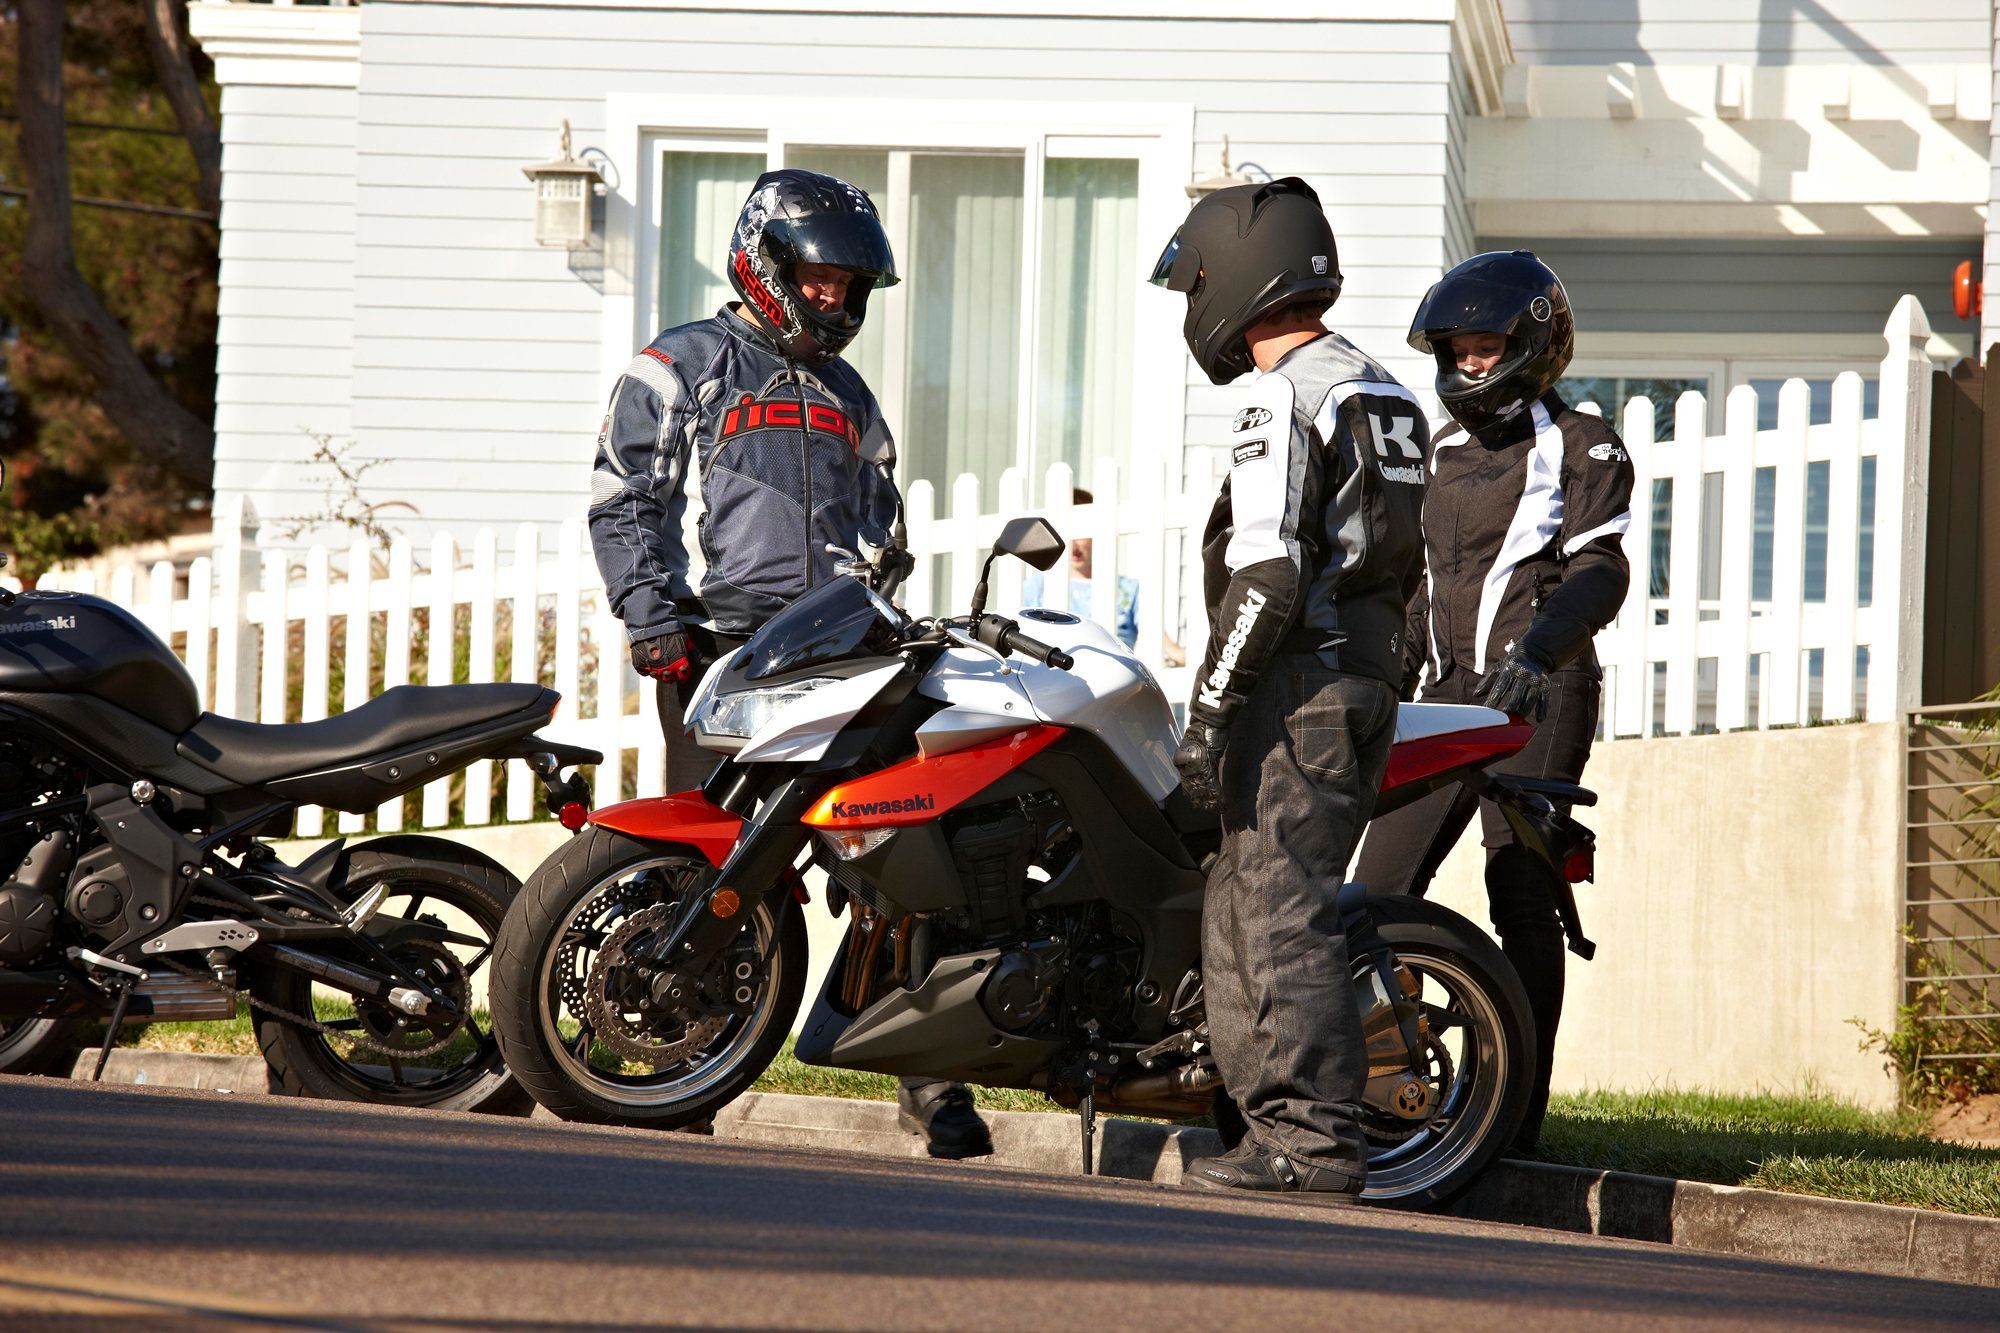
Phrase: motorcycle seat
x=1416 y=722
x=254 y=754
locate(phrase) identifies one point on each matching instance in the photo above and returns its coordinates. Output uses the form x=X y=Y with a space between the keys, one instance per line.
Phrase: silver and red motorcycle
x=1001 y=814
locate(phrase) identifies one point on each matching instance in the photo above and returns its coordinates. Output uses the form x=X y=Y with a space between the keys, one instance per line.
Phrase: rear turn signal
x=573 y=816
x=1580 y=866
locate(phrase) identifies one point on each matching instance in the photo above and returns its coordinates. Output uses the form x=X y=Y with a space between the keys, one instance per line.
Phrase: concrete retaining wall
x=1747 y=905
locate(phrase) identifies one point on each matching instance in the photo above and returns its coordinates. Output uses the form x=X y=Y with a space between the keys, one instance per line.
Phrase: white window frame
x=1160 y=136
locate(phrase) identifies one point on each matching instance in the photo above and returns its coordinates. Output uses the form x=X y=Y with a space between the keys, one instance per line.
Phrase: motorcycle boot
x=943 y=1113
x=1253 y=1168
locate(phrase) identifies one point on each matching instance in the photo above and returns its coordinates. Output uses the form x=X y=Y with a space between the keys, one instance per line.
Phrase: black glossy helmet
x=795 y=217
x=1503 y=291
x=1242 y=253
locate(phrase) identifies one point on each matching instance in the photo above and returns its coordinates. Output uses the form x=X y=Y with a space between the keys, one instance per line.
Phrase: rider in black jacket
x=1524 y=522
x=1312 y=553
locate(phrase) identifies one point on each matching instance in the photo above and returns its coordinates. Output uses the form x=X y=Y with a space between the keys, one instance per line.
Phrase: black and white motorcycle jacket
x=714 y=399
x=1315 y=543
x=1524 y=528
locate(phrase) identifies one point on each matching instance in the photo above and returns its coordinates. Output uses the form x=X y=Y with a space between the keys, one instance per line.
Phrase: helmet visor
x=1163 y=270
x=851 y=240
x=1469 y=305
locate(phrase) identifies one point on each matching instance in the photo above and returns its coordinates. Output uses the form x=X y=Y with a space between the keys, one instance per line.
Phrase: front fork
x=757 y=872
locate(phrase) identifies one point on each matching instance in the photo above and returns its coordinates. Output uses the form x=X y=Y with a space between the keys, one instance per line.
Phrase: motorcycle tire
x=1435 y=940
x=40 y=1045
x=588 y=876
x=305 y=1063
x=1451 y=955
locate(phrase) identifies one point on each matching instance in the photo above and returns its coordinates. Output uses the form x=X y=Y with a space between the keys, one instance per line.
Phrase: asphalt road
x=143 y=1208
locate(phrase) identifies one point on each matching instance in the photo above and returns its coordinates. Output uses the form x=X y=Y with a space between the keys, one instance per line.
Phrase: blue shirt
x=1125 y=616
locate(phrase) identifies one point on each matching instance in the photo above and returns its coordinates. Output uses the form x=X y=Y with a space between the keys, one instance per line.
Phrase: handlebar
x=1003 y=635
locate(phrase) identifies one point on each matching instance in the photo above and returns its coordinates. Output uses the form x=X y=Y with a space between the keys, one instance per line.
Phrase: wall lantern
x=565 y=190
x=1210 y=184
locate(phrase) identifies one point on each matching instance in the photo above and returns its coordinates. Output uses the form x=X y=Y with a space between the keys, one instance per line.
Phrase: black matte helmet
x=795 y=217
x=1503 y=291
x=1243 y=253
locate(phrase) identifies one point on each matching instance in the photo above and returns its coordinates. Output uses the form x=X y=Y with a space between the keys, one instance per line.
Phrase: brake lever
x=964 y=640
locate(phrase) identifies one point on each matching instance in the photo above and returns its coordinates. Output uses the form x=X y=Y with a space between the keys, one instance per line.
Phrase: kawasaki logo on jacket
x=1232 y=648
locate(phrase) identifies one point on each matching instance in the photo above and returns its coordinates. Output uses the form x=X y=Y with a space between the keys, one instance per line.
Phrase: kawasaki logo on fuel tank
x=900 y=806
x=35 y=626
x=1232 y=648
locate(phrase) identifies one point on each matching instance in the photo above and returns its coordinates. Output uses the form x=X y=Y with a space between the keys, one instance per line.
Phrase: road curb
x=1686 y=1214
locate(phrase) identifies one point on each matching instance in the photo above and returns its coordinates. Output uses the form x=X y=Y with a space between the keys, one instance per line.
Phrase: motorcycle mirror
x=1034 y=540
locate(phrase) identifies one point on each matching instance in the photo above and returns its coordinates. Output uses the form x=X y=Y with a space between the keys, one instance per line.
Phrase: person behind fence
x=1125 y=598
x=793 y=460
x=1311 y=554
x=1524 y=521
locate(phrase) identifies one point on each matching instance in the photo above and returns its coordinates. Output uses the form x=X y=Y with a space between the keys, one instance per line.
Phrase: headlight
x=745 y=713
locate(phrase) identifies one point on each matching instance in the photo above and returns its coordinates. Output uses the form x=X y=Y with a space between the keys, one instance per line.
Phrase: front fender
x=685 y=817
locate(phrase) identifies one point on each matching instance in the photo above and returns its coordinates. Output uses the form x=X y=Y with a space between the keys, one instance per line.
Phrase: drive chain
x=300 y=1020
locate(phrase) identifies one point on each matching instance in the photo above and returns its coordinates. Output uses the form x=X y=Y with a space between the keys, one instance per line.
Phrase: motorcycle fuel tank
x=72 y=643
x=1107 y=693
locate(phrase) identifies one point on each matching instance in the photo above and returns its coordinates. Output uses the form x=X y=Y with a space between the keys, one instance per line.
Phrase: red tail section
x=1413 y=761
x=918 y=790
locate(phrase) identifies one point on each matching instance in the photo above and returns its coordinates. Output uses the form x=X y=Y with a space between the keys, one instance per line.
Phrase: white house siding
x=285 y=354
x=1750 y=287
x=1751 y=32
x=477 y=349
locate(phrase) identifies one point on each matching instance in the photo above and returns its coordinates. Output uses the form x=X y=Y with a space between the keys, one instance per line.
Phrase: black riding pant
x=1305 y=758
x=1404 y=849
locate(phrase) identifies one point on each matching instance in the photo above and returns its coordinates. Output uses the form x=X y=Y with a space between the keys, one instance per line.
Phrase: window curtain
x=1083 y=379
x=964 y=272
x=700 y=197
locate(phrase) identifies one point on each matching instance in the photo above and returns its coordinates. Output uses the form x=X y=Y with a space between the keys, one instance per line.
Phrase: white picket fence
x=224 y=616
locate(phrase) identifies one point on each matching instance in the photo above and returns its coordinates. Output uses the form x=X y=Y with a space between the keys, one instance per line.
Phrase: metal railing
x=1951 y=876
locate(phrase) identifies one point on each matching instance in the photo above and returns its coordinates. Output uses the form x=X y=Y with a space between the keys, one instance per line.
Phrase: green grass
x=1796 y=1144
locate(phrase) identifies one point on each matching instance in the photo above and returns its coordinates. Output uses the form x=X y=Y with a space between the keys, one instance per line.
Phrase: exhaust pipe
x=1183 y=1081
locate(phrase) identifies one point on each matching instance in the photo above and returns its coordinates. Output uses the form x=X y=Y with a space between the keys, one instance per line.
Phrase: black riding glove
x=1519 y=685
x=1199 y=760
x=668 y=657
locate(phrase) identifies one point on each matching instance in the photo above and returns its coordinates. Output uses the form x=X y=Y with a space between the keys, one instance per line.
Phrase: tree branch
x=173 y=64
x=144 y=413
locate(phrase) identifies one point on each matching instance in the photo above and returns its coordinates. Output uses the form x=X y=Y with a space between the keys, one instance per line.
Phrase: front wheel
x=1478 y=1060
x=590 y=1023
x=39 y=1045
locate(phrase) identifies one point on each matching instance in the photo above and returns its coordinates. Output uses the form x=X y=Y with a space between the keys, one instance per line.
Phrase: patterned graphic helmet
x=795 y=217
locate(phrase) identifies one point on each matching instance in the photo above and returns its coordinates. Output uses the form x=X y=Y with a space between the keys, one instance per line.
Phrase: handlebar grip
x=1015 y=641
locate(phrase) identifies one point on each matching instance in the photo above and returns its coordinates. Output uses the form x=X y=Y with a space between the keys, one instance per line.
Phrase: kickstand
x=1087 y=1112
x=111 y=1030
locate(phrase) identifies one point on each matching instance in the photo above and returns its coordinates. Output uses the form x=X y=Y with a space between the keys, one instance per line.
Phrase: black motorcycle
x=138 y=889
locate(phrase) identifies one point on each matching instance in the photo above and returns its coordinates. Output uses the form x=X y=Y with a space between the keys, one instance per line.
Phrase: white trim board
x=1282 y=11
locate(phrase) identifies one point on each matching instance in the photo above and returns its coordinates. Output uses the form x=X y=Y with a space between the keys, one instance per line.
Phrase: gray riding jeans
x=1305 y=759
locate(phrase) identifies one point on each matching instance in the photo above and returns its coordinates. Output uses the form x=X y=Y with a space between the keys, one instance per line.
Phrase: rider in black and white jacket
x=1524 y=525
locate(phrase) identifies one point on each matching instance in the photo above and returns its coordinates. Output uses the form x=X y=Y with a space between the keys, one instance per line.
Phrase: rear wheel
x=39 y=1045
x=1478 y=1059
x=444 y=1064
x=586 y=1018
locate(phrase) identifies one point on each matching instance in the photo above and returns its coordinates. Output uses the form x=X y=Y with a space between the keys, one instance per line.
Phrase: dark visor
x=1165 y=268
x=1467 y=305
x=849 y=240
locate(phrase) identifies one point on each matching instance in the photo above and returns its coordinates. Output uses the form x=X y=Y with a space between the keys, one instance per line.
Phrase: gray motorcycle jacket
x=714 y=401
x=1524 y=532
x=1316 y=542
